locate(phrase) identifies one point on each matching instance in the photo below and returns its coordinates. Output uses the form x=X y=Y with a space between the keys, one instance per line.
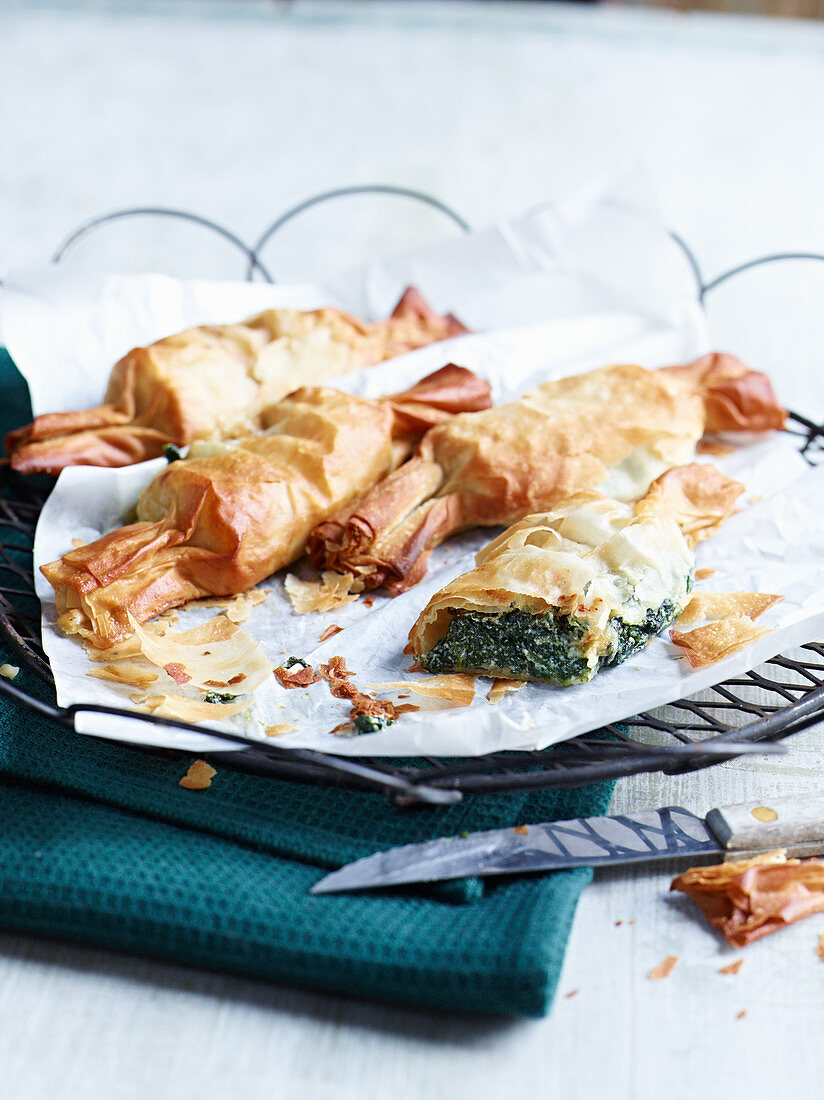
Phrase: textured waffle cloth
x=99 y=844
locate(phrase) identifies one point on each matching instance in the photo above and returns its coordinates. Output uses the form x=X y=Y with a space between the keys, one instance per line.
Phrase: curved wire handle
x=141 y=211
x=759 y=261
x=344 y=192
x=692 y=260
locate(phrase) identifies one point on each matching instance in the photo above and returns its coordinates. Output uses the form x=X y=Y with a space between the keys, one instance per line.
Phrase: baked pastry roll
x=613 y=429
x=213 y=382
x=230 y=514
x=563 y=593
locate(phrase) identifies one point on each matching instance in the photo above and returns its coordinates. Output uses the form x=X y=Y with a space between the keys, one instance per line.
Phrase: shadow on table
x=426 y=1025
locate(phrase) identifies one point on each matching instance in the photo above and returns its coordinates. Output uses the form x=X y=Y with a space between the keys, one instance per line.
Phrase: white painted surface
x=237 y=110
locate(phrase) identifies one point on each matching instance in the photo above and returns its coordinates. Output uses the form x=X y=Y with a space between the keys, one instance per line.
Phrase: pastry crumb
x=733 y=967
x=9 y=671
x=663 y=969
x=177 y=672
x=820 y=949
x=199 y=776
x=290 y=676
x=279 y=728
x=330 y=632
x=572 y=993
x=740 y=1015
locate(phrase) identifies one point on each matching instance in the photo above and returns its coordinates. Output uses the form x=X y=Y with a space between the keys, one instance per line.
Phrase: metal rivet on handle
x=764 y=813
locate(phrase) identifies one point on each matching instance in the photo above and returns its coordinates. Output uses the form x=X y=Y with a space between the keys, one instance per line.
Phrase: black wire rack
x=780 y=698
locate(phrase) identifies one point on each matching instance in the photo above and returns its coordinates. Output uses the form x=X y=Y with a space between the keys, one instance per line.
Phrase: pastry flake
x=732 y=969
x=188 y=710
x=331 y=591
x=705 y=645
x=279 y=729
x=502 y=687
x=295 y=673
x=726 y=605
x=663 y=969
x=199 y=776
x=125 y=672
x=230 y=661
x=236 y=608
x=457 y=688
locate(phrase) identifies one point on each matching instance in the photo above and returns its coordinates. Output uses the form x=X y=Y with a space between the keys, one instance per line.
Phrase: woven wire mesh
x=781 y=697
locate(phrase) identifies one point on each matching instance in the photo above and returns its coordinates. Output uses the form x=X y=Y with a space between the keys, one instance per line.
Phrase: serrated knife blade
x=666 y=833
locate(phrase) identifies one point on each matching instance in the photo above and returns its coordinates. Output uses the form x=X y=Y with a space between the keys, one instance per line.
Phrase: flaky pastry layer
x=216 y=525
x=614 y=430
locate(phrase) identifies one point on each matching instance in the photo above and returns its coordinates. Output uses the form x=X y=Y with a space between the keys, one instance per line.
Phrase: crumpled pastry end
x=748 y=899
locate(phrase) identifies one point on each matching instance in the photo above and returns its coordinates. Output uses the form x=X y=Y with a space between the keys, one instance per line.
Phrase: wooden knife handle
x=770 y=822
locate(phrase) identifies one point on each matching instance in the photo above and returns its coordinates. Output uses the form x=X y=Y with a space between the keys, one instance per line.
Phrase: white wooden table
x=238 y=109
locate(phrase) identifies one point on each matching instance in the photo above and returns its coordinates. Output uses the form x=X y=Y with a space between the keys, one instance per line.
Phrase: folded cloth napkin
x=99 y=844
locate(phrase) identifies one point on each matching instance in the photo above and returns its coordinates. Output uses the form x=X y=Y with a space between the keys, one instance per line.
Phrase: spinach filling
x=548 y=647
x=172 y=452
x=371 y=723
x=630 y=637
x=514 y=643
x=218 y=697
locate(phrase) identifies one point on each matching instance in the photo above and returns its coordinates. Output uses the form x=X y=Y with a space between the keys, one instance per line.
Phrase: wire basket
x=781 y=697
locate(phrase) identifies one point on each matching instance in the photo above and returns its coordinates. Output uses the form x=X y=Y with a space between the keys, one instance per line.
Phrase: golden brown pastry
x=232 y=513
x=212 y=382
x=750 y=898
x=562 y=594
x=613 y=429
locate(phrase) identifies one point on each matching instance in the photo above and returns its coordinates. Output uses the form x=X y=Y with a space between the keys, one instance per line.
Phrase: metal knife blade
x=591 y=842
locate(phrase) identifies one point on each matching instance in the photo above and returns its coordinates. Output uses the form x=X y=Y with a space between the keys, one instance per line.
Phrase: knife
x=795 y=822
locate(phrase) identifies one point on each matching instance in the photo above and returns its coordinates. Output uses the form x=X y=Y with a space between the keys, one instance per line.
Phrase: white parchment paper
x=607 y=284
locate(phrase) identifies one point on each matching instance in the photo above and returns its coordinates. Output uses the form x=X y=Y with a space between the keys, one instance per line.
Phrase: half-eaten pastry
x=562 y=594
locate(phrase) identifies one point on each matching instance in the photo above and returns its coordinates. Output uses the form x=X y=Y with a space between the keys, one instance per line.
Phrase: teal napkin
x=100 y=845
